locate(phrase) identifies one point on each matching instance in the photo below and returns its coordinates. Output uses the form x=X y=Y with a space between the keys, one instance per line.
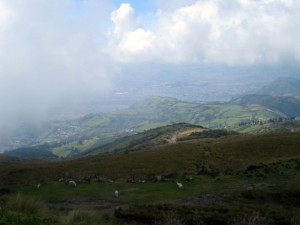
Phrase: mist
x=60 y=59
x=51 y=58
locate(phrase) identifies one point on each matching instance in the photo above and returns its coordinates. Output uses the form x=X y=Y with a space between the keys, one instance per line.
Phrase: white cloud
x=128 y=38
x=124 y=19
x=4 y=13
x=49 y=56
x=52 y=51
x=172 y=5
x=231 y=32
x=137 y=40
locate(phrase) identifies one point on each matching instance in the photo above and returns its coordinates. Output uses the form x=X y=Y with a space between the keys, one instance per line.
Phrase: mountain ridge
x=284 y=86
x=68 y=138
x=288 y=105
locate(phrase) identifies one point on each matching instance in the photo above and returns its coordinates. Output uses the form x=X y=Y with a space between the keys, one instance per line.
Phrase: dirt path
x=102 y=205
x=173 y=139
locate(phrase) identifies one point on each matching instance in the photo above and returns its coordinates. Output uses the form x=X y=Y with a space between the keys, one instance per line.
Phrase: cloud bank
x=56 y=52
x=233 y=32
x=51 y=54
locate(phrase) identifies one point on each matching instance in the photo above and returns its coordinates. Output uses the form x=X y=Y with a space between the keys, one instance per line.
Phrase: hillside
x=169 y=134
x=286 y=86
x=275 y=103
x=289 y=106
x=150 y=138
x=232 y=153
x=233 y=178
x=77 y=136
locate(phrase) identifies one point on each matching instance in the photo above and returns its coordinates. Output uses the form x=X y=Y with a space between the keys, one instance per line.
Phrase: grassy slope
x=288 y=106
x=278 y=127
x=159 y=111
x=283 y=86
x=73 y=137
x=221 y=155
x=147 y=139
x=232 y=176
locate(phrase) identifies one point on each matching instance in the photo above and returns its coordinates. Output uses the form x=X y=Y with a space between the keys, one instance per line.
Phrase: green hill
x=74 y=137
x=289 y=106
x=29 y=152
x=169 y=134
x=161 y=111
x=150 y=138
x=231 y=153
x=286 y=86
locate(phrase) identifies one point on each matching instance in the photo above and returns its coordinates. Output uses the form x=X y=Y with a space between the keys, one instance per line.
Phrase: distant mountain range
x=251 y=113
x=287 y=86
x=289 y=106
x=282 y=95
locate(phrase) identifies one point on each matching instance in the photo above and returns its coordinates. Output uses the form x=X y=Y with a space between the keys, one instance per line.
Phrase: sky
x=59 y=51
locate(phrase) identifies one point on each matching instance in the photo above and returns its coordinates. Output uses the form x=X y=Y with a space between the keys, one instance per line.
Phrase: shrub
x=169 y=219
x=26 y=205
x=295 y=220
x=24 y=219
x=252 y=219
x=82 y=217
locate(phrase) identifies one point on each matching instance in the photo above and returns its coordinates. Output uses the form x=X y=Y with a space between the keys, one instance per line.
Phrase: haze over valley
x=100 y=56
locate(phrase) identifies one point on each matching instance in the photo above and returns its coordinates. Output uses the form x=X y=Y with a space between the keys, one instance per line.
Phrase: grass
x=21 y=204
x=157 y=201
x=95 y=121
x=187 y=132
x=82 y=217
x=65 y=150
x=151 y=113
x=129 y=192
x=8 y=218
x=252 y=219
x=235 y=180
x=219 y=155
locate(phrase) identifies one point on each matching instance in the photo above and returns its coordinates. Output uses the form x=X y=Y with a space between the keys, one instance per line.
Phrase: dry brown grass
x=186 y=132
x=221 y=154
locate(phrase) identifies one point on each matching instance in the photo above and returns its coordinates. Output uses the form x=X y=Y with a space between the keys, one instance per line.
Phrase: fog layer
x=61 y=53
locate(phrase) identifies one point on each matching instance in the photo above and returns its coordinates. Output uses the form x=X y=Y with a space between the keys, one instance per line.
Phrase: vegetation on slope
x=159 y=111
x=289 y=106
x=226 y=180
x=233 y=153
x=285 y=86
x=73 y=137
x=150 y=138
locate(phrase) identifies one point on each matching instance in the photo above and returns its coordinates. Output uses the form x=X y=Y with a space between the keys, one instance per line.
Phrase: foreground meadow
x=233 y=180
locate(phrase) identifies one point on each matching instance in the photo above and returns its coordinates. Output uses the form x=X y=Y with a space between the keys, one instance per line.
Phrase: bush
x=169 y=219
x=252 y=219
x=82 y=217
x=295 y=220
x=14 y=218
x=26 y=205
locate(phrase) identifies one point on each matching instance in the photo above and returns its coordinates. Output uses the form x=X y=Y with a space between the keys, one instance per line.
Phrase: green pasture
x=268 y=188
x=234 y=178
